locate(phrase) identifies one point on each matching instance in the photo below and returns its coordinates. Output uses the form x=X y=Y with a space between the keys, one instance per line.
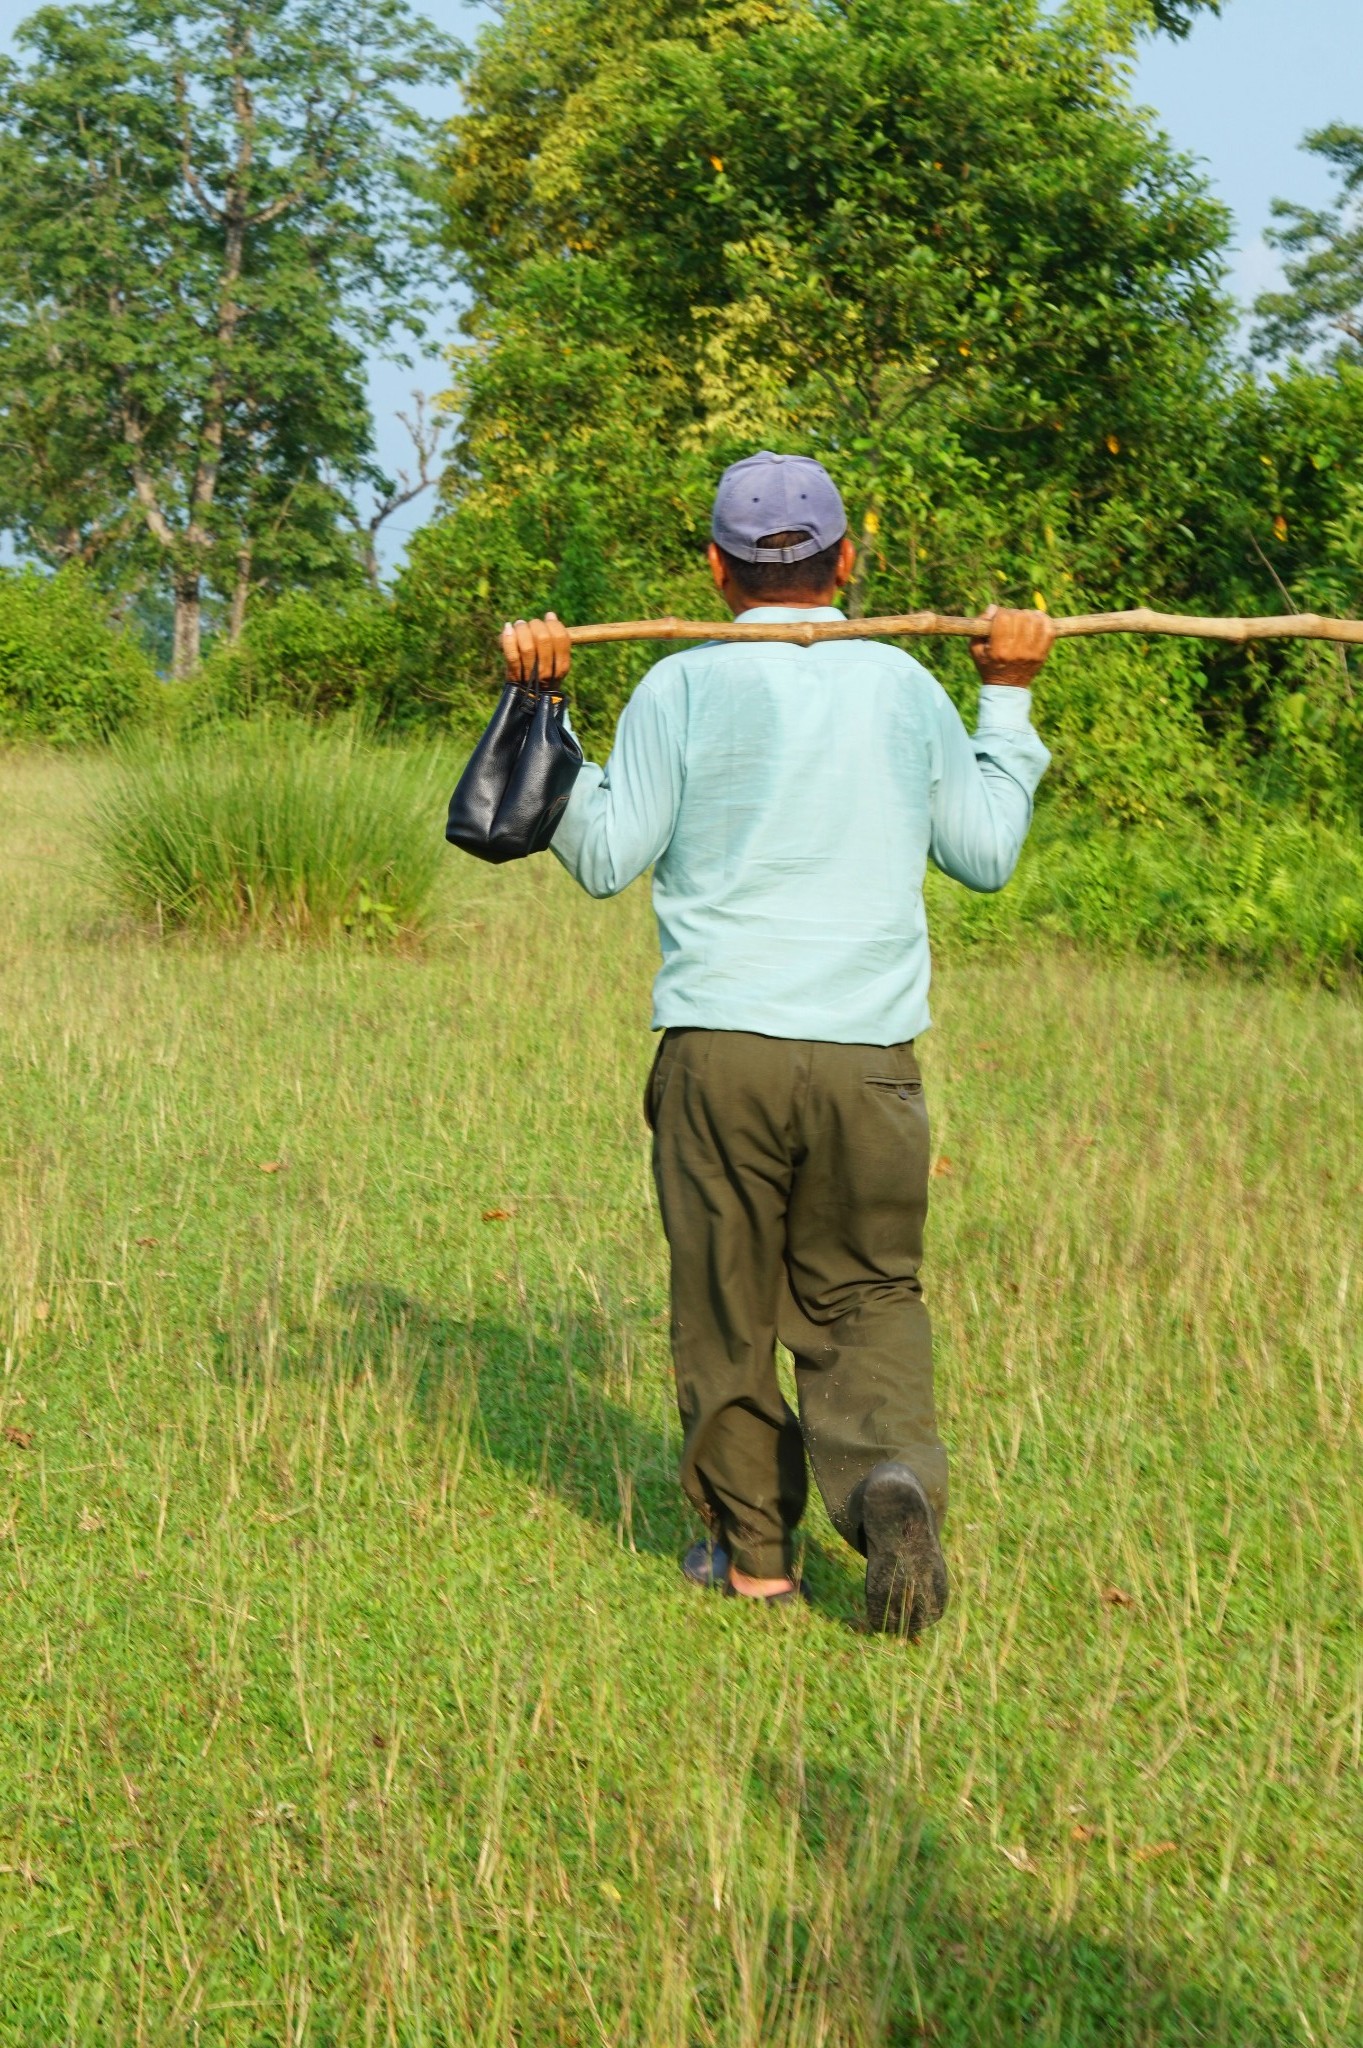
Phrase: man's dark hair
x=771 y=581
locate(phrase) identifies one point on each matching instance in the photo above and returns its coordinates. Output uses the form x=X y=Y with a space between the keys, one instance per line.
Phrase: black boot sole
x=906 y=1573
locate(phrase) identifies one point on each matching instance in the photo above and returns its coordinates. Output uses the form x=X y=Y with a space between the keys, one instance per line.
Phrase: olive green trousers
x=793 y=1181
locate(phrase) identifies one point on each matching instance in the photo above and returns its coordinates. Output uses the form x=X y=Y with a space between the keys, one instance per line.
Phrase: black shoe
x=906 y=1573
x=706 y=1564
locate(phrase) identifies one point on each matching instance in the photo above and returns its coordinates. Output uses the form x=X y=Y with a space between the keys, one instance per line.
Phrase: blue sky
x=1238 y=94
x=1242 y=91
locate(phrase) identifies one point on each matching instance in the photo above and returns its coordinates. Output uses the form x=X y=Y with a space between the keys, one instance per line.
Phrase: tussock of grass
x=349 y=1690
x=273 y=828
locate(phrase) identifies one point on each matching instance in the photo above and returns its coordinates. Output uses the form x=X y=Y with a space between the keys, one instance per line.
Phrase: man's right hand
x=537 y=650
x=1017 y=647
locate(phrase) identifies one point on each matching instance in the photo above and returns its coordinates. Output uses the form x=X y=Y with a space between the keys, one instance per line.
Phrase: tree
x=1126 y=20
x=1324 y=260
x=1176 y=17
x=934 y=245
x=207 y=212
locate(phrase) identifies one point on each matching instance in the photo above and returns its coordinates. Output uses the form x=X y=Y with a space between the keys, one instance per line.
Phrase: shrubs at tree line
x=313 y=656
x=65 y=674
x=1261 y=890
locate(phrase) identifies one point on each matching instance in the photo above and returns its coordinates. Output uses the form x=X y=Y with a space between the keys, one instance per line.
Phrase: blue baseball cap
x=769 y=493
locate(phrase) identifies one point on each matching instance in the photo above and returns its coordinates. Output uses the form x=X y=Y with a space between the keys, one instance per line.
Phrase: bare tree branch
x=426 y=434
x=190 y=175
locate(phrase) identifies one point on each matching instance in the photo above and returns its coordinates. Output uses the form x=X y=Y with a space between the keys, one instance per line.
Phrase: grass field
x=349 y=1691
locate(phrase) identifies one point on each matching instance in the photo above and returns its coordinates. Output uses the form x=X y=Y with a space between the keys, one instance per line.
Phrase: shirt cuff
x=1004 y=708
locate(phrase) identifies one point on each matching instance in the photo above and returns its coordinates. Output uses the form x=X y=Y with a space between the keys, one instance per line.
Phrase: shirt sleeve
x=621 y=817
x=982 y=787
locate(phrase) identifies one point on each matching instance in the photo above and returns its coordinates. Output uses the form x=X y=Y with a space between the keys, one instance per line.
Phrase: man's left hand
x=537 y=651
x=1017 y=646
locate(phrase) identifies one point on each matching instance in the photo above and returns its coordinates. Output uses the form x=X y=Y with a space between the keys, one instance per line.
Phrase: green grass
x=348 y=1687
x=276 y=828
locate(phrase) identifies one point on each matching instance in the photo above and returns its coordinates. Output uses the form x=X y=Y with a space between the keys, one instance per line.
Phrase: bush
x=65 y=674
x=1261 y=890
x=309 y=656
x=275 y=829
x=1125 y=739
x=466 y=574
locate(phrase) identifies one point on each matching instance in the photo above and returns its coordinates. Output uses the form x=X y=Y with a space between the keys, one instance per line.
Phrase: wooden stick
x=915 y=625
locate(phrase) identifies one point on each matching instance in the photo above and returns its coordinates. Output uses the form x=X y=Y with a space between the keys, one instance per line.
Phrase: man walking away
x=789 y=800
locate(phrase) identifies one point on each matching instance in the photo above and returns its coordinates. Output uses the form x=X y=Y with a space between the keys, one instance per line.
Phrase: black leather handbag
x=510 y=797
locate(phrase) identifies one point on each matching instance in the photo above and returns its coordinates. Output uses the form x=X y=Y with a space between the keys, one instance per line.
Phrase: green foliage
x=938 y=248
x=1126 y=20
x=309 y=655
x=206 y=212
x=274 y=829
x=65 y=675
x=551 y=546
x=1263 y=891
x=1176 y=17
x=1323 y=249
x=1126 y=742
x=1277 y=512
x=935 y=247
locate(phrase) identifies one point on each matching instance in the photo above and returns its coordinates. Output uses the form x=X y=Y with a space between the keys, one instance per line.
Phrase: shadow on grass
x=938 y=1972
x=544 y=1413
x=541 y=1405
x=903 y=1945
x=972 y=1983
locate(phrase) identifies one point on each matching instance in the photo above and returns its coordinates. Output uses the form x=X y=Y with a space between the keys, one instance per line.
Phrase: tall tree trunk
x=188 y=615
x=241 y=590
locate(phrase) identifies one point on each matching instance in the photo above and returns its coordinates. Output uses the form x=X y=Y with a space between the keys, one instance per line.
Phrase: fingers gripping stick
x=1017 y=645
x=536 y=651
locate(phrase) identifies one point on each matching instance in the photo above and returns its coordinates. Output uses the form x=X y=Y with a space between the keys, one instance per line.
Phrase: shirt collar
x=787 y=614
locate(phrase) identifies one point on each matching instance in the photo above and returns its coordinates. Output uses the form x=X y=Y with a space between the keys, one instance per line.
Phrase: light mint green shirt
x=788 y=800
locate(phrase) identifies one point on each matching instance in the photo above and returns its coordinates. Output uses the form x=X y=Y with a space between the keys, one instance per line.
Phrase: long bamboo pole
x=915 y=625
